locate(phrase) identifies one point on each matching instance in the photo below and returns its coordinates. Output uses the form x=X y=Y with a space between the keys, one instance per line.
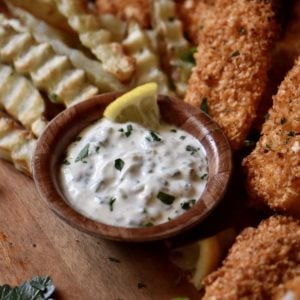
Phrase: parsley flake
x=111 y=202
x=188 y=56
x=84 y=153
x=204 y=105
x=119 y=164
x=183 y=137
x=66 y=162
x=53 y=97
x=204 y=176
x=128 y=130
x=235 y=53
x=191 y=149
x=165 y=198
x=154 y=137
x=173 y=130
x=188 y=204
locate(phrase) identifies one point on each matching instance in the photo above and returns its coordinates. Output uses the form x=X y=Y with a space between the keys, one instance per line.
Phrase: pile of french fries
x=64 y=52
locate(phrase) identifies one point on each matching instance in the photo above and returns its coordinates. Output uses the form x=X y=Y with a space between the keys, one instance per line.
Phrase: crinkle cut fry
x=139 y=10
x=16 y=143
x=273 y=168
x=232 y=61
x=259 y=261
x=99 y=40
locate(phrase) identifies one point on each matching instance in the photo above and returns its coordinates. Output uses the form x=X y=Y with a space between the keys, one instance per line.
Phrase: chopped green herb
x=204 y=176
x=183 y=137
x=249 y=143
x=165 y=198
x=169 y=219
x=191 y=149
x=141 y=285
x=188 y=56
x=83 y=153
x=149 y=224
x=113 y=259
x=235 y=53
x=66 y=162
x=111 y=203
x=128 y=131
x=283 y=121
x=204 y=105
x=53 y=97
x=119 y=164
x=188 y=204
x=78 y=138
x=173 y=130
x=291 y=133
x=154 y=137
x=97 y=149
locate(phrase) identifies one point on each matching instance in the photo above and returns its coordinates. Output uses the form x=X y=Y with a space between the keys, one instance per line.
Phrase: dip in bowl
x=192 y=182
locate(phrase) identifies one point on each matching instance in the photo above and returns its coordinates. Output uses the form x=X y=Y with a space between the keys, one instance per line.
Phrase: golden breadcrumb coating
x=232 y=60
x=289 y=290
x=190 y=12
x=259 y=261
x=273 y=168
x=127 y=9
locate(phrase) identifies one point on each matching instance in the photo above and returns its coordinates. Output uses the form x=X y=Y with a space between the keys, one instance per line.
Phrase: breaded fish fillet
x=139 y=10
x=273 y=168
x=232 y=61
x=259 y=261
x=191 y=14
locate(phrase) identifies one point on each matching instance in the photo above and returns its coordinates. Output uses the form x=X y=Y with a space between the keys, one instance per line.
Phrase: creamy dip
x=127 y=175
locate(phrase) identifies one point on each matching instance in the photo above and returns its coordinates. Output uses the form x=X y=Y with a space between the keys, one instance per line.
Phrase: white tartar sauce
x=127 y=175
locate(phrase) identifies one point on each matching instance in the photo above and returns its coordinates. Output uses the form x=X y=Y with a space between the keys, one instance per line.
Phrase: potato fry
x=49 y=72
x=16 y=144
x=172 y=43
x=44 y=33
x=138 y=46
x=22 y=100
x=97 y=39
x=45 y=10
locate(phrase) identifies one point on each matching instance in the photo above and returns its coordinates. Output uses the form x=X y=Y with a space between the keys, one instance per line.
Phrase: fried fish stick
x=139 y=10
x=259 y=261
x=232 y=61
x=273 y=168
x=16 y=144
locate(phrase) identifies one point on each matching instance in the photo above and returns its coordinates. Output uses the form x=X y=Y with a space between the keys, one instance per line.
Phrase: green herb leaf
x=204 y=176
x=204 y=105
x=173 y=130
x=183 y=137
x=77 y=139
x=149 y=224
x=119 y=164
x=235 y=53
x=84 y=153
x=188 y=56
x=154 y=137
x=165 y=198
x=128 y=130
x=111 y=203
x=38 y=288
x=113 y=259
x=188 y=204
x=191 y=149
x=97 y=149
x=66 y=162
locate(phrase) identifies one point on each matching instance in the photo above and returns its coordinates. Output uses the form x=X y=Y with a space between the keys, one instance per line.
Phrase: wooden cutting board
x=33 y=241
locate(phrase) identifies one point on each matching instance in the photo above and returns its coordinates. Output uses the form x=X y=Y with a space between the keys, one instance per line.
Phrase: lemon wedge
x=138 y=105
x=202 y=257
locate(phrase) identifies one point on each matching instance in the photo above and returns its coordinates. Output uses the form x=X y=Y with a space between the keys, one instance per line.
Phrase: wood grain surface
x=33 y=241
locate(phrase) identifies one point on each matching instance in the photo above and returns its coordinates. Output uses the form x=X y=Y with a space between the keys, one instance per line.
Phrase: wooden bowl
x=68 y=124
